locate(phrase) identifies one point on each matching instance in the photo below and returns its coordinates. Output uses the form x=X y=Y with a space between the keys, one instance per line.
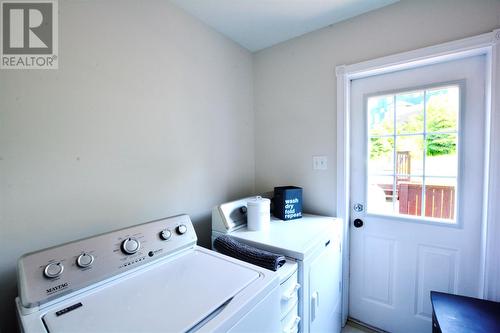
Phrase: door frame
x=487 y=44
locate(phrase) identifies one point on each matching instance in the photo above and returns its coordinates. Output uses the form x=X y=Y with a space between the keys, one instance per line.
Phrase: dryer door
x=324 y=290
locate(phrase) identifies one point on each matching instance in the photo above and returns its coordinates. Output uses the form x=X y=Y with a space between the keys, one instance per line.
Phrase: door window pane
x=413 y=153
x=410 y=154
x=441 y=159
x=440 y=197
x=410 y=113
x=410 y=196
x=381 y=111
x=381 y=160
x=381 y=194
x=442 y=109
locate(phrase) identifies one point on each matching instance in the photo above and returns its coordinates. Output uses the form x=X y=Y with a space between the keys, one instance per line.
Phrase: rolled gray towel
x=236 y=249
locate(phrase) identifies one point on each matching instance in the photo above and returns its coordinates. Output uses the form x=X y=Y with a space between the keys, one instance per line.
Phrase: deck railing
x=439 y=200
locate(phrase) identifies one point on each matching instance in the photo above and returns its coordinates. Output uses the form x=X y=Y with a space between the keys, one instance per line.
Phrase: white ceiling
x=257 y=24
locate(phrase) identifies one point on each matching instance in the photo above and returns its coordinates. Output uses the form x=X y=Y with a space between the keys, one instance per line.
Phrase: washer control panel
x=51 y=273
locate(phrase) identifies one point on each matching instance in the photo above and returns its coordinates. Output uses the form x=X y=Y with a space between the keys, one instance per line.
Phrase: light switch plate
x=320 y=163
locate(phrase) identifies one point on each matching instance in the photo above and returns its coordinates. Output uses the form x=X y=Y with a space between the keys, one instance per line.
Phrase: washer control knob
x=84 y=260
x=130 y=246
x=165 y=234
x=181 y=230
x=53 y=270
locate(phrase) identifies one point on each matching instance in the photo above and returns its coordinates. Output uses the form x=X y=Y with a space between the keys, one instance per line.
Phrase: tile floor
x=350 y=329
x=353 y=328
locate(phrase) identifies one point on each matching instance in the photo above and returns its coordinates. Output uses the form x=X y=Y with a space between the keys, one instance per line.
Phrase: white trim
x=343 y=181
x=426 y=56
x=482 y=44
x=492 y=210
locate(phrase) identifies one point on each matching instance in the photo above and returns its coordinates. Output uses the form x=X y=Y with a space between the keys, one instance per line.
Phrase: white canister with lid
x=258 y=213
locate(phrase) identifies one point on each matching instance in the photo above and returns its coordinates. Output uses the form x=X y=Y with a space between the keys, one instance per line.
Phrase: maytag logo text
x=29 y=34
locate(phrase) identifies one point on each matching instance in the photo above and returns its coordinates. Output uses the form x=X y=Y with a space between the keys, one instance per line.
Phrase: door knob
x=358 y=223
x=358 y=207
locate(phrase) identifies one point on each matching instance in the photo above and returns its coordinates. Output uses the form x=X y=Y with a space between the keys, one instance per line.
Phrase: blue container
x=287 y=202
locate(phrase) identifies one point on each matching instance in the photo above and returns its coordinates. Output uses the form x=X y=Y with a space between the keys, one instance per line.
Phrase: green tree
x=380 y=147
x=441 y=117
x=442 y=106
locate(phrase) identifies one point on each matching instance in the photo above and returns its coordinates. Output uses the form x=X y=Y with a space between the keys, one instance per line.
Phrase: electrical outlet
x=320 y=163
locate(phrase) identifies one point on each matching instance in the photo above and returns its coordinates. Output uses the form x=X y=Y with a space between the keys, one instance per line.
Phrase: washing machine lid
x=295 y=239
x=174 y=296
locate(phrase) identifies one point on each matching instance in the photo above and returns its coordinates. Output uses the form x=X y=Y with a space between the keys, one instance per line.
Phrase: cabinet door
x=324 y=290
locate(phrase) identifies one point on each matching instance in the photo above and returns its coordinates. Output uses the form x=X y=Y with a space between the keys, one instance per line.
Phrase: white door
x=416 y=191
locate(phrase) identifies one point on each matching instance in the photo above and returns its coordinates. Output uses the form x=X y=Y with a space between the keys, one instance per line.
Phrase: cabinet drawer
x=290 y=323
x=289 y=293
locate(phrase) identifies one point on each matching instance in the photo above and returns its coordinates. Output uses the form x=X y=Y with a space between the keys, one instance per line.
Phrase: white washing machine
x=147 y=278
x=314 y=243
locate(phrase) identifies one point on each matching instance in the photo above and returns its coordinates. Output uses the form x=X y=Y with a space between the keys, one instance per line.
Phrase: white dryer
x=314 y=242
x=147 y=278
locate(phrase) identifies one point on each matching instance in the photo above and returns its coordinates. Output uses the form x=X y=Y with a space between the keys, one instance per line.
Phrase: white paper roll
x=258 y=213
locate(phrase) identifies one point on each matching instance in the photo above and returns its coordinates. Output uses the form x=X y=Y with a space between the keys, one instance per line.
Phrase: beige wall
x=295 y=87
x=150 y=114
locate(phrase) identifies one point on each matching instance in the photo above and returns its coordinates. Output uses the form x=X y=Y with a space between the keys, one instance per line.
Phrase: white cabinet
x=314 y=242
x=324 y=291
